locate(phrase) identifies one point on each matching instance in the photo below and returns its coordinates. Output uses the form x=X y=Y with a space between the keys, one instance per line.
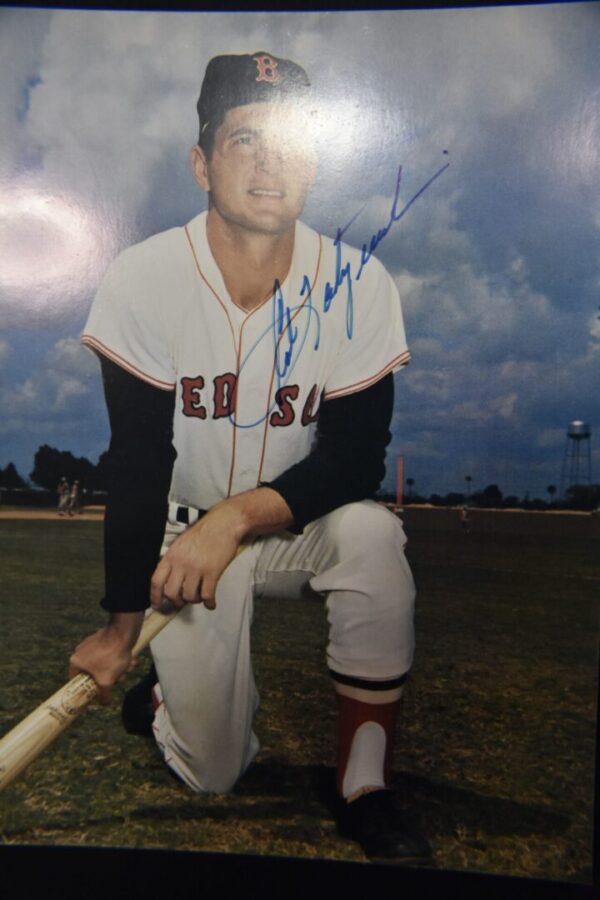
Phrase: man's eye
x=244 y=139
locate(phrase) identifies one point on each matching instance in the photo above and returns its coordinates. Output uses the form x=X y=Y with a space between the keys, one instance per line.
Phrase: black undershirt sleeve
x=346 y=464
x=140 y=463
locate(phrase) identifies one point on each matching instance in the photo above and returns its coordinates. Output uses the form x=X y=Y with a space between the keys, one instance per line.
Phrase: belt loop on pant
x=188 y=515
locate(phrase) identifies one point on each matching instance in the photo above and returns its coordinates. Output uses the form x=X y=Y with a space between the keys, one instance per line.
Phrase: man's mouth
x=265 y=192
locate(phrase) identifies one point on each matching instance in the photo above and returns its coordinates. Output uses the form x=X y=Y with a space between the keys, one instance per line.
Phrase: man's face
x=261 y=167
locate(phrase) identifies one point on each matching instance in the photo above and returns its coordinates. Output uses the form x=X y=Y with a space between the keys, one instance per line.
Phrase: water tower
x=577 y=461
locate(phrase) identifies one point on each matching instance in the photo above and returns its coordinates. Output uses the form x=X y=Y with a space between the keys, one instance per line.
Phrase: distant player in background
x=465 y=518
x=63 y=496
x=74 y=499
x=249 y=405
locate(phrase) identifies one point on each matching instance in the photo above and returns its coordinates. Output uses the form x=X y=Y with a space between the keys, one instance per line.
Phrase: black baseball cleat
x=137 y=712
x=373 y=821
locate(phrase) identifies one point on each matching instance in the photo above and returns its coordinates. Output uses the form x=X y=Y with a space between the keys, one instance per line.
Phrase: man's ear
x=200 y=167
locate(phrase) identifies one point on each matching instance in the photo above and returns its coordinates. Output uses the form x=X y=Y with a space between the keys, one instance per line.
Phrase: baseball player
x=247 y=363
x=73 y=501
x=63 y=492
x=465 y=519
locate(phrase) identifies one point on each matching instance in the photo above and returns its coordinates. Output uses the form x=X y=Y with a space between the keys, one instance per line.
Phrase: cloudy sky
x=497 y=262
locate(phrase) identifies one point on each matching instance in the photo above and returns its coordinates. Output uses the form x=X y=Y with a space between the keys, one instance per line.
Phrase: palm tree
x=551 y=490
x=410 y=482
x=468 y=479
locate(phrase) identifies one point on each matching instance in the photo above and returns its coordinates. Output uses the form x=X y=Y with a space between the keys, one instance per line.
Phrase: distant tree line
x=10 y=478
x=50 y=465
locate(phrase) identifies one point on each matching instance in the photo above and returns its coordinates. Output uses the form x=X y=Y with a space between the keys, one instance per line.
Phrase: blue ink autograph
x=344 y=273
x=284 y=316
x=281 y=323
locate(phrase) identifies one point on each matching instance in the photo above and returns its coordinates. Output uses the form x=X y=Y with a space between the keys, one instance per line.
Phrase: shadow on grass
x=276 y=790
x=305 y=794
x=445 y=807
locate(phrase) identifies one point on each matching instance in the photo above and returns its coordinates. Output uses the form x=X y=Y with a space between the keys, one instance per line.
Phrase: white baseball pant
x=354 y=557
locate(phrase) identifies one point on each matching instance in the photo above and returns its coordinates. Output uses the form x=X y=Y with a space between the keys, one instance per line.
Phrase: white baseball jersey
x=248 y=384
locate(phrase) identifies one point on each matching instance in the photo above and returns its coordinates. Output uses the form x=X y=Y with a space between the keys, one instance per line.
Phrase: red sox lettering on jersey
x=223 y=400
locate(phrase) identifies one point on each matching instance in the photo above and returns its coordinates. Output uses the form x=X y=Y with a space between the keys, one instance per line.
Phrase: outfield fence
x=555 y=524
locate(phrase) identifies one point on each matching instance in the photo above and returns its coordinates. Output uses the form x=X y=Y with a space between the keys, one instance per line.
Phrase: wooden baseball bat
x=30 y=737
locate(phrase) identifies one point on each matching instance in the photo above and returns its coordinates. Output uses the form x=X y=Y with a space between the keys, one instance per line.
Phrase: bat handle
x=152 y=625
x=155 y=621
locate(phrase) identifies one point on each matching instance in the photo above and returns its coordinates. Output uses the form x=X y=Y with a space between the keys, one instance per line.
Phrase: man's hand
x=190 y=569
x=106 y=654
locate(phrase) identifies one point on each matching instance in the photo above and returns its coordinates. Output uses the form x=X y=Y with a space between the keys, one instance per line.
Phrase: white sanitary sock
x=365 y=763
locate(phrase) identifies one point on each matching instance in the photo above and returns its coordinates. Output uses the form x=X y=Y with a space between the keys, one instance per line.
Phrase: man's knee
x=204 y=780
x=367 y=528
x=206 y=770
x=370 y=586
x=218 y=772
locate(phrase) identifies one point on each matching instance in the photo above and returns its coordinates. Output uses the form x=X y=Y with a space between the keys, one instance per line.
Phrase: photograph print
x=299 y=355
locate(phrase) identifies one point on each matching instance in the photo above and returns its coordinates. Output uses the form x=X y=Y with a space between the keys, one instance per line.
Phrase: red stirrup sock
x=366 y=735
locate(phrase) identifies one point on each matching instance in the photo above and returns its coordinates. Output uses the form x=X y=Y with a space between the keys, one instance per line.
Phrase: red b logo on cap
x=267 y=69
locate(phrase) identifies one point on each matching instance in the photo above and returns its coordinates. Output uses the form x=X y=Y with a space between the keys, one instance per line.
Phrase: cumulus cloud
x=472 y=411
x=53 y=395
x=69 y=358
x=22 y=33
x=551 y=437
x=594 y=331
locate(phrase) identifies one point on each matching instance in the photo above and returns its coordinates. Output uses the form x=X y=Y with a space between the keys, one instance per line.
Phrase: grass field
x=496 y=749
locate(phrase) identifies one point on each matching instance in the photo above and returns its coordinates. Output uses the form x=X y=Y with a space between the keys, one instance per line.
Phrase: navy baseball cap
x=239 y=79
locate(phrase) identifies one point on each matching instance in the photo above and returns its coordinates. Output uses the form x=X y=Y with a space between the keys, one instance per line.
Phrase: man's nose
x=269 y=156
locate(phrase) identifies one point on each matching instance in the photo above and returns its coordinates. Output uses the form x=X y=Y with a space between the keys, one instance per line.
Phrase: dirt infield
x=93 y=514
